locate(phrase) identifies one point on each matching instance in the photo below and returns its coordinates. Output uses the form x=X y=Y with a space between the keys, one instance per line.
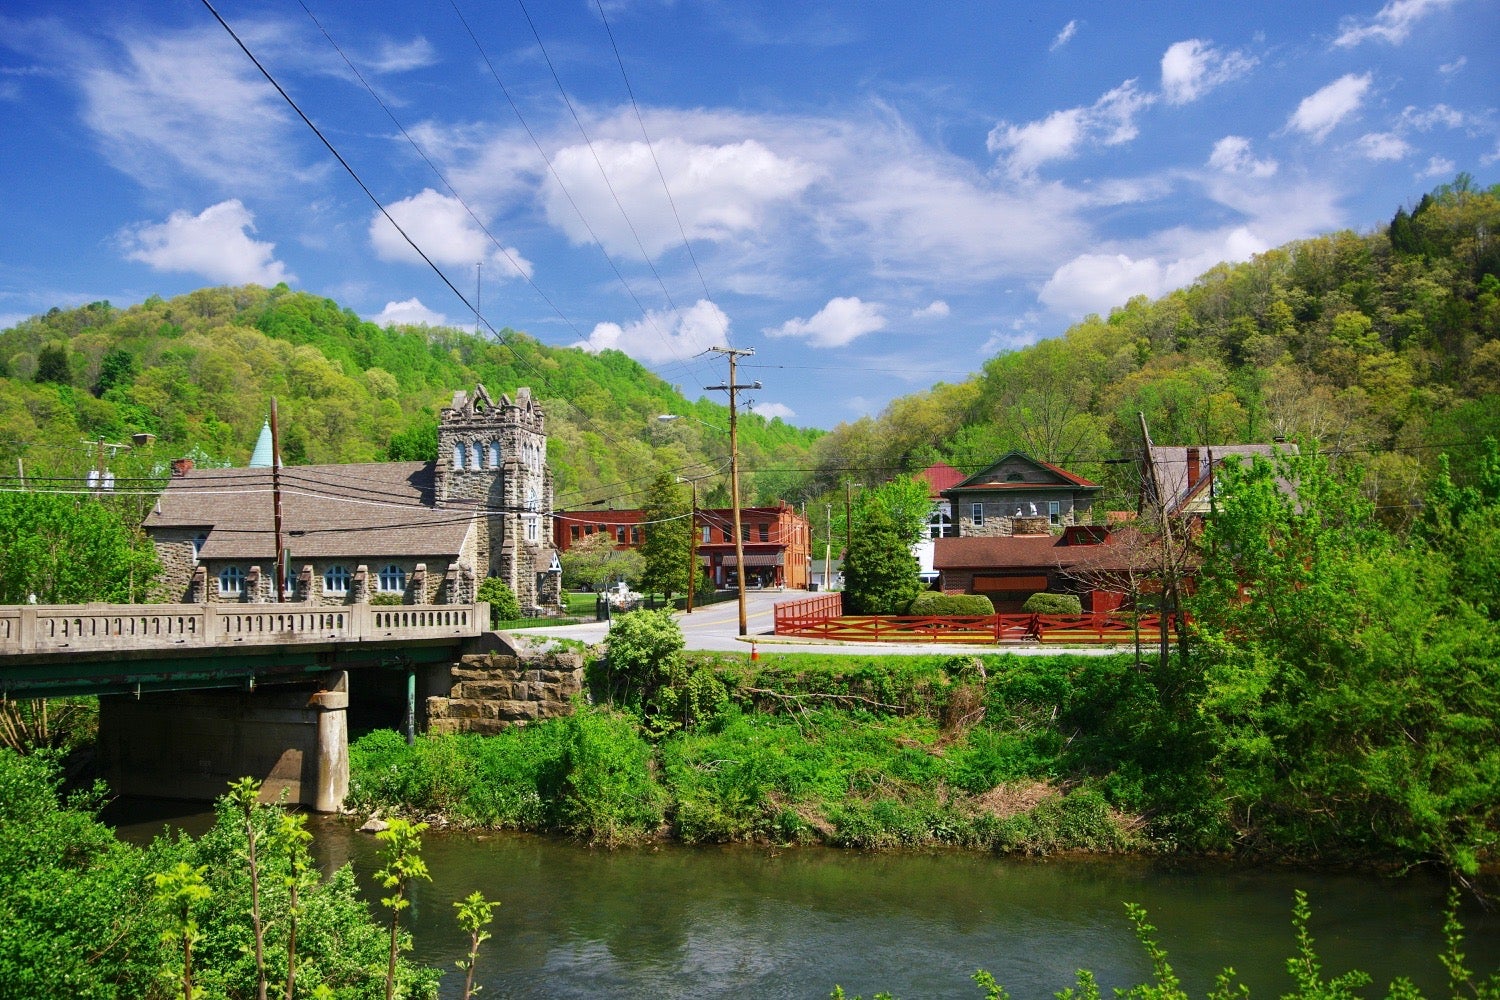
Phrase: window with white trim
x=392 y=580
x=336 y=580
x=976 y=513
x=533 y=529
x=1054 y=511
x=494 y=454
x=231 y=581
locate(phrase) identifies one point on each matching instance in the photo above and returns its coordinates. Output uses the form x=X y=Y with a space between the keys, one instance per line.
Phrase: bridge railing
x=41 y=628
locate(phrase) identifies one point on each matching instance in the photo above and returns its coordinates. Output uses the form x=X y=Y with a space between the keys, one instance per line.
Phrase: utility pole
x=732 y=387
x=276 y=503
x=849 y=517
x=692 y=546
x=828 y=548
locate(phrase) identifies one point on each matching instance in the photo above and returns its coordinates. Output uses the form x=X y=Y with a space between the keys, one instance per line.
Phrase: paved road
x=717 y=628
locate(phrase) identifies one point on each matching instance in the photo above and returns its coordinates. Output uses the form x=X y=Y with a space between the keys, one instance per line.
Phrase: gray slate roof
x=356 y=512
x=1171 y=464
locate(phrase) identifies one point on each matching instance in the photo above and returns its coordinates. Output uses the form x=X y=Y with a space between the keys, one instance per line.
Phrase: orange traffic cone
x=754 y=653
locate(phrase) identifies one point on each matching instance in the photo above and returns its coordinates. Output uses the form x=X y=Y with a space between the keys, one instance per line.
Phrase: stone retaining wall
x=493 y=691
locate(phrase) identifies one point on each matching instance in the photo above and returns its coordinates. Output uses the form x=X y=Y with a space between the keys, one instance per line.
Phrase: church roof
x=260 y=458
x=357 y=512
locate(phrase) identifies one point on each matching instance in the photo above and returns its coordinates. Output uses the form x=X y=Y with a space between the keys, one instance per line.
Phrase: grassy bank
x=1022 y=754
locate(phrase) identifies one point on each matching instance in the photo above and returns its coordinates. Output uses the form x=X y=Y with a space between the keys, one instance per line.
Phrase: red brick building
x=777 y=541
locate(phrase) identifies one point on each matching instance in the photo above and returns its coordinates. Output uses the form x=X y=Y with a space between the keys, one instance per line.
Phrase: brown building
x=776 y=540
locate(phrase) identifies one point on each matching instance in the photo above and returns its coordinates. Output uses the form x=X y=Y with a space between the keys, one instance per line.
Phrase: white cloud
x=1438 y=115
x=1320 y=112
x=1449 y=69
x=663 y=336
x=719 y=191
x=187 y=100
x=1232 y=155
x=937 y=309
x=411 y=312
x=399 y=57
x=1096 y=283
x=773 y=410
x=1392 y=24
x=1064 y=36
x=1109 y=121
x=215 y=243
x=1383 y=146
x=840 y=322
x=446 y=233
x=1439 y=166
x=1192 y=68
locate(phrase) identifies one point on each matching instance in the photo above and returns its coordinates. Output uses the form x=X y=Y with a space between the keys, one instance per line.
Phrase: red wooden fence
x=822 y=618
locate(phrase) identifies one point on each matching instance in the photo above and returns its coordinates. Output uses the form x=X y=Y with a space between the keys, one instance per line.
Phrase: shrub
x=504 y=607
x=1053 y=604
x=386 y=600
x=645 y=656
x=930 y=602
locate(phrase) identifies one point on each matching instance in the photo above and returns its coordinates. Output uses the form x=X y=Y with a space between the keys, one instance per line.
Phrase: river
x=765 y=923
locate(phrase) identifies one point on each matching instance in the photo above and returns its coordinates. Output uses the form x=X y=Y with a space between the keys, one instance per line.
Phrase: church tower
x=493 y=455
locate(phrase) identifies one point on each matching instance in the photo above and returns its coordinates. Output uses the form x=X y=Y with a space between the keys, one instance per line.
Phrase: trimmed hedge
x=930 y=602
x=1053 y=604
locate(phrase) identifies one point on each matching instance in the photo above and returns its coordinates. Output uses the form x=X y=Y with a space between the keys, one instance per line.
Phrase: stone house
x=420 y=532
x=991 y=502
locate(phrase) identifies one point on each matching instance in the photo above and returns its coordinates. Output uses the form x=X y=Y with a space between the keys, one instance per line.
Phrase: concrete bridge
x=193 y=696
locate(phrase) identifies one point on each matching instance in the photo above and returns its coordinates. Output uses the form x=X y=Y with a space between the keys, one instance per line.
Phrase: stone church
x=408 y=532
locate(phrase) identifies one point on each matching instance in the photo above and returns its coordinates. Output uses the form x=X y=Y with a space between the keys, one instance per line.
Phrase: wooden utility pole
x=732 y=387
x=276 y=504
x=692 y=546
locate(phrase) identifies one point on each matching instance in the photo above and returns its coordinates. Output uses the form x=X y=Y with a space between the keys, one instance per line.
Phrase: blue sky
x=873 y=196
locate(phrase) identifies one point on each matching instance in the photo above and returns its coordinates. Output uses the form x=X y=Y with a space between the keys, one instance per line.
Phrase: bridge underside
x=294 y=738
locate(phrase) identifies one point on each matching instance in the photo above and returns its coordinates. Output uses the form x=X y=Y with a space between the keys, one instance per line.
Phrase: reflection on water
x=744 y=922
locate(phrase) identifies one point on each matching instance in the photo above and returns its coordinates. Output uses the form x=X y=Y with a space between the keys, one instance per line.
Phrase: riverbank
x=1028 y=756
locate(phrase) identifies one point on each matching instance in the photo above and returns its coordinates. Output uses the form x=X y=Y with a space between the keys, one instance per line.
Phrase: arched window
x=458 y=454
x=495 y=454
x=231 y=581
x=392 y=579
x=474 y=455
x=336 y=580
x=533 y=504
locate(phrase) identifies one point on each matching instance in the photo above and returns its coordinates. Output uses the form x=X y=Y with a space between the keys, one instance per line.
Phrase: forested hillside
x=199 y=371
x=1383 y=346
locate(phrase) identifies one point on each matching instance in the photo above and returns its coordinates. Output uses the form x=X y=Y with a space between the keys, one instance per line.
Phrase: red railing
x=821 y=618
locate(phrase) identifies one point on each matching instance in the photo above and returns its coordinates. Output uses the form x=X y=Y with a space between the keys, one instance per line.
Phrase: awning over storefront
x=758 y=559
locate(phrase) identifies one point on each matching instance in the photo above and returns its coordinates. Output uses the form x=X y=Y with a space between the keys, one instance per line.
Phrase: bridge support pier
x=192 y=744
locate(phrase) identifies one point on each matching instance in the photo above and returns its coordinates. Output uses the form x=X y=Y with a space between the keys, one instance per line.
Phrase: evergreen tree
x=880 y=573
x=52 y=365
x=668 y=543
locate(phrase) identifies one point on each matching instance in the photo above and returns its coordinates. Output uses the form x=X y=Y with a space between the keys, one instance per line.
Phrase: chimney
x=1194 y=469
x=181 y=467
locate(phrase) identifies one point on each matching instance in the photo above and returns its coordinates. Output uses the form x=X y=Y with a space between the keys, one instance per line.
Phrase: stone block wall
x=494 y=691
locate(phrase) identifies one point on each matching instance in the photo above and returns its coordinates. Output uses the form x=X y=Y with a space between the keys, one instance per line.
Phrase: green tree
x=52 y=365
x=402 y=857
x=473 y=915
x=595 y=562
x=905 y=500
x=179 y=890
x=668 y=545
x=118 y=367
x=504 y=607
x=880 y=573
x=64 y=549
